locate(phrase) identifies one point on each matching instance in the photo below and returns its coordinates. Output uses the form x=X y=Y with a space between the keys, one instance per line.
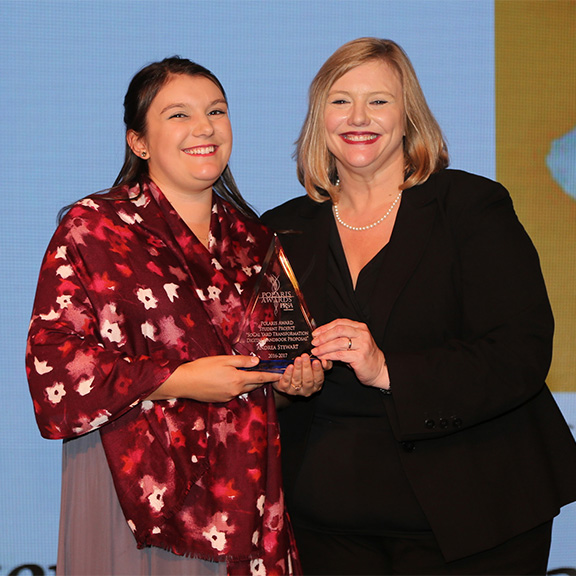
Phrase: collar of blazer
x=307 y=250
x=410 y=237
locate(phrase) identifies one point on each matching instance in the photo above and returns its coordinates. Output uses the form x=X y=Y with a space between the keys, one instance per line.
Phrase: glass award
x=277 y=326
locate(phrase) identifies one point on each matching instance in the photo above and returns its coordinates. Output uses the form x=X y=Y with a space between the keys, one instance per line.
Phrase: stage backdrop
x=499 y=78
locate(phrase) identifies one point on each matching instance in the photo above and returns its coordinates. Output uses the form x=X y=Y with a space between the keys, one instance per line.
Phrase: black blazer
x=465 y=324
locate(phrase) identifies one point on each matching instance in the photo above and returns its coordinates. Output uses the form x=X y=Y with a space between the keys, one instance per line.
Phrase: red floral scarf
x=128 y=293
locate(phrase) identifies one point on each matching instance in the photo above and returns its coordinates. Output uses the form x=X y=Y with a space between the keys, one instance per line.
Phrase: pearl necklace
x=360 y=228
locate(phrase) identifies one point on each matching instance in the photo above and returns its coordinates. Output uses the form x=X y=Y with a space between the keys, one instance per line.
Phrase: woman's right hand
x=352 y=343
x=213 y=379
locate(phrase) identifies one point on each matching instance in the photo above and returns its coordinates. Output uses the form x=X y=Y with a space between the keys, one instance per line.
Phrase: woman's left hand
x=303 y=377
x=352 y=343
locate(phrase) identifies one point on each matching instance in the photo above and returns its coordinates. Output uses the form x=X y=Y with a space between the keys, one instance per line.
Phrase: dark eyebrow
x=183 y=105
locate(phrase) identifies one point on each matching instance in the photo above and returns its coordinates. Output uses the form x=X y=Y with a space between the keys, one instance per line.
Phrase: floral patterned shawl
x=126 y=294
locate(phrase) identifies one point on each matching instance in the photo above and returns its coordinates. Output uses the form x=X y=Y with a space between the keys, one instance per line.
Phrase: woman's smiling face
x=188 y=137
x=364 y=119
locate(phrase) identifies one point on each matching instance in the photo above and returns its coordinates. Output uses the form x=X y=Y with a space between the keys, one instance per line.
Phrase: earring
x=143 y=154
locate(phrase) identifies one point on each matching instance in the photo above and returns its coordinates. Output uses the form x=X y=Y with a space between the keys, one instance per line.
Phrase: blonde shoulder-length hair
x=425 y=149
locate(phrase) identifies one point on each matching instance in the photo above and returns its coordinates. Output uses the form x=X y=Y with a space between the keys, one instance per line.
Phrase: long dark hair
x=141 y=92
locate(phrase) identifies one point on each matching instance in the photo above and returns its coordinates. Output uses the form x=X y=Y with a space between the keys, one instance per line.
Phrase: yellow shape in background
x=536 y=104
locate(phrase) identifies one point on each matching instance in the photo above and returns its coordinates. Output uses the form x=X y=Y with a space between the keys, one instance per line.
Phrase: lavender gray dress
x=95 y=539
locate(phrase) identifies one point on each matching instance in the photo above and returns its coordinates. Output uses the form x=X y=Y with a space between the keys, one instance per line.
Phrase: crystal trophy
x=277 y=326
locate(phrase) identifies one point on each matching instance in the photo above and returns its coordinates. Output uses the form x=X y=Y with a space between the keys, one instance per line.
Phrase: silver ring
x=349 y=343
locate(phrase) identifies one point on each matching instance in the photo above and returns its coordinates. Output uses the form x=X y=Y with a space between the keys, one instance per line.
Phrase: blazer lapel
x=412 y=229
x=308 y=253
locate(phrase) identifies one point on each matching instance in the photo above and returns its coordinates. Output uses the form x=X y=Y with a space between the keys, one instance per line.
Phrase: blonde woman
x=435 y=446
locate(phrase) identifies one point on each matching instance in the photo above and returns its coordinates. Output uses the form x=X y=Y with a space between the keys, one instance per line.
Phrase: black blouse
x=359 y=483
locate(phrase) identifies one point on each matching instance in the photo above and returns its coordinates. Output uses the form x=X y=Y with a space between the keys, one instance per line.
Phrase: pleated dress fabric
x=95 y=539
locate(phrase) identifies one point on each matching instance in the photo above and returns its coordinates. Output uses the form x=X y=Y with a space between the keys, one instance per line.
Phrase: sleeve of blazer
x=498 y=358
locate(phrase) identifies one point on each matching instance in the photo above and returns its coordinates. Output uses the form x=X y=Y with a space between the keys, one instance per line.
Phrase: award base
x=276 y=366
